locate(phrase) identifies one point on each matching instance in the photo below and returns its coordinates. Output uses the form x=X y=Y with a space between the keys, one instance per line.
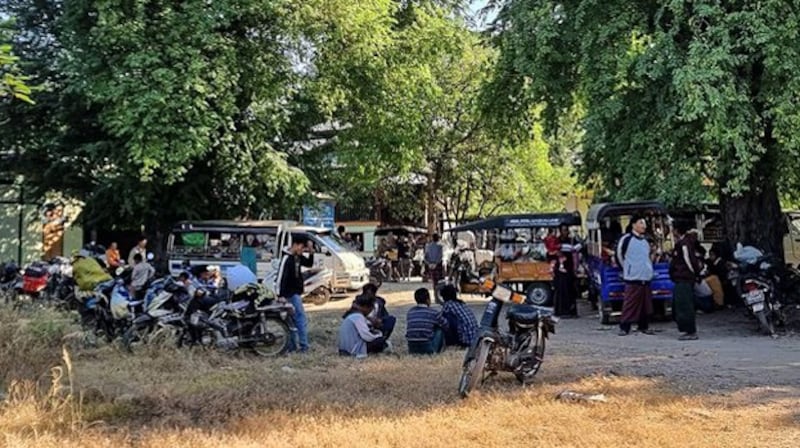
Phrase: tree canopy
x=418 y=118
x=675 y=94
x=152 y=111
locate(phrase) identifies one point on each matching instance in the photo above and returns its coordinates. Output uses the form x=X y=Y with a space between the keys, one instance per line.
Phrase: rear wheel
x=271 y=337
x=538 y=294
x=472 y=375
x=765 y=323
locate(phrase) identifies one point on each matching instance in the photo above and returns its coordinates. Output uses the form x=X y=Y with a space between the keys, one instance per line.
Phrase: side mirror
x=325 y=251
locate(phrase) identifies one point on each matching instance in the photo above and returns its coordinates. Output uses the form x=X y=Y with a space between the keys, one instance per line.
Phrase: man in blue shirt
x=425 y=326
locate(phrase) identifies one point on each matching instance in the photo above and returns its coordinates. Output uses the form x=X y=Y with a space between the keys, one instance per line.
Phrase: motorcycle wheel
x=526 y=377
x=272 y=337
x=765 y=323
x=134 y=334
x=472 y=375
x=321 y=296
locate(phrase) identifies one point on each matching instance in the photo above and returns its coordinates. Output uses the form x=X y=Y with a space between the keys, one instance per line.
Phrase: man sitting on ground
x=355 y=337
x=379 y=319
x=462 y=324
x=425 y=326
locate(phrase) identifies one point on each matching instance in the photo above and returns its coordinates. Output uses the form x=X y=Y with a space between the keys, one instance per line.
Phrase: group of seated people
x=368 y=325
x=713 y=291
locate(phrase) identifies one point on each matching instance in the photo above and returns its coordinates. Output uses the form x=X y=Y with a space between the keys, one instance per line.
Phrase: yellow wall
x=580 y=201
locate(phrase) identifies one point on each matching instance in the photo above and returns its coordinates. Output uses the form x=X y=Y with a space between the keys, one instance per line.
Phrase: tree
x=156 y=111
x=673 y=92
x=416 y=115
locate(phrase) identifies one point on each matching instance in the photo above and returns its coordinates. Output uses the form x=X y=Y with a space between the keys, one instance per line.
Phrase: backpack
x=622 y=252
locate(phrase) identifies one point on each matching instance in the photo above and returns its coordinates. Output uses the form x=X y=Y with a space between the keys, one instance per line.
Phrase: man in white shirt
x=355 y=333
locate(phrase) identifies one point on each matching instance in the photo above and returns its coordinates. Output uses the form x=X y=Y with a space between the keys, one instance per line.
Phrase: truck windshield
x=336 y=244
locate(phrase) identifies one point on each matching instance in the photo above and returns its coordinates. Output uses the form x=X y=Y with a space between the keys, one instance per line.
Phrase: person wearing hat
x=356 y=338
x=289 y=285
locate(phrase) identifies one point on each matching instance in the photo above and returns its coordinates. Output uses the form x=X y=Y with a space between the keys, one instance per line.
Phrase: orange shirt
x=112 y=257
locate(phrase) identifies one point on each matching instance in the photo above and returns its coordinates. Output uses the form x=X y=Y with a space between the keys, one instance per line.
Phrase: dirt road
x=729 y=356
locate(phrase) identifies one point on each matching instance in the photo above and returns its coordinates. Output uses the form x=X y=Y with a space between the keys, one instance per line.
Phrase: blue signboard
x=321 y=215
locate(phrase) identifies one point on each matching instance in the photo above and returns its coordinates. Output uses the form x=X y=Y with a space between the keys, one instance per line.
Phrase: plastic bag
x=747 y=254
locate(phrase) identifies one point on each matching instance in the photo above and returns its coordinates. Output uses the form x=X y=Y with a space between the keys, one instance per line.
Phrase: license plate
x=757 y=307
x=754 y=297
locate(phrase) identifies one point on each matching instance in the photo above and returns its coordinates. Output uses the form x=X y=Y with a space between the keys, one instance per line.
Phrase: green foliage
x=160 y=111
x=415 y=113
x=12 y=84
x=674 y=92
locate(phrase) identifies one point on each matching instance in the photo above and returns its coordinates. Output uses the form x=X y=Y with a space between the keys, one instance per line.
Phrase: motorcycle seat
x=527 y=314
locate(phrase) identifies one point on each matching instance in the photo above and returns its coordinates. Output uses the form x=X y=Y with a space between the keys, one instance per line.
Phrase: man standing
x=142 y=273
x=290 y=285
x=140 y=248
x=633 y=253
x=684 y=270
x=434 y=255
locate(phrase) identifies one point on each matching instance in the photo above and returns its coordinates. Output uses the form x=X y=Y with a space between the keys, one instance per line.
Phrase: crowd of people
x=699 y=277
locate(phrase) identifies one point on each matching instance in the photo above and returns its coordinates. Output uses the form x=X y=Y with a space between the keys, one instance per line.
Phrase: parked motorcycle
x=60 y=283
x=759 y=287
x=252 y=319
x=34 y=279
x=380 y=269
x=520 y=351
x=162 y=318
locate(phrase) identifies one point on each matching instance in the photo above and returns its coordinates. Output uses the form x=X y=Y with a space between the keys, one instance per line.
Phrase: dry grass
x=193 y=398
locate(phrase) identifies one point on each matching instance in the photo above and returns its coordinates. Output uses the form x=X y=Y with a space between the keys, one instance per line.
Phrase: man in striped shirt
x=425 y=326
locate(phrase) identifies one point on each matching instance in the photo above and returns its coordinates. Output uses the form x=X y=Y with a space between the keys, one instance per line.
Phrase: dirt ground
x=729 y=356
x=732 y=388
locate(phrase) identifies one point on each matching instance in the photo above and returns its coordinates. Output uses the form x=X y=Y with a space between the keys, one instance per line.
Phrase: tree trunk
x=156 y=233
x=754 y=219
x=431 y=206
